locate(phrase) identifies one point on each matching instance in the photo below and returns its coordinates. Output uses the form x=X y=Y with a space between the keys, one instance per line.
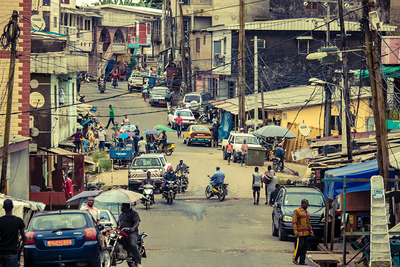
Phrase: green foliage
x=142 y=3
x=105 y=164
x=98 y=155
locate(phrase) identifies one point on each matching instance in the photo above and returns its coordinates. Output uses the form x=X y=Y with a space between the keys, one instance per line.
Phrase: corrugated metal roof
x=13 y=139
x=288 y=98
x=137 y=9
x=300 y=24
x=80 y=12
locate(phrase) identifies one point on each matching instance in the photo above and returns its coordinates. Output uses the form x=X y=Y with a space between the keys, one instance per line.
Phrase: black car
x=288 y=199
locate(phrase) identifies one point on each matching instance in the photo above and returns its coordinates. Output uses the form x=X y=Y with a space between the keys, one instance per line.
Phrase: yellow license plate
x=58 y=243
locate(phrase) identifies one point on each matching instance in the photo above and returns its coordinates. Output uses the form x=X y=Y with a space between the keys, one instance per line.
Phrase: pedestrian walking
x=302 y=229
x=215 y=134
x=90 y=137
x=112 y=115
x=268 y=177
x=256 y=185
x=274 y=194
x=68 y=188
x=229 y=149
x=10 y=228
x=142 y=144
x=178 y=121
x=77 y=140
x=102 y=139
x=92 y=210
x=86 y=144
x=245 y=148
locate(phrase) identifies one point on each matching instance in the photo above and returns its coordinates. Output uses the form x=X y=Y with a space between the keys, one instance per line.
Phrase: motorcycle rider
x=101 y=79
x=162 y=139
x=217 y=178
x=148 y=180
x=183 y=168
x=279 y=153
x=130 y=219
x=169 y=176
x=115 y=77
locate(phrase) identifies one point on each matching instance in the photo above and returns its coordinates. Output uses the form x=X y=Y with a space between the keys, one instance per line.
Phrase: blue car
x=65 y=237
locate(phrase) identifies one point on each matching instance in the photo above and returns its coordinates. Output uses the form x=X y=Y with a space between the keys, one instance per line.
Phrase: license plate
x=58 y=243
x=162 y=102
x=200 y=134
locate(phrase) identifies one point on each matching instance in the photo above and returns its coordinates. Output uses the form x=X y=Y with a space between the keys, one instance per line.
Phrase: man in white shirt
x=142 y=146
x=92 y=210
x=102 y=139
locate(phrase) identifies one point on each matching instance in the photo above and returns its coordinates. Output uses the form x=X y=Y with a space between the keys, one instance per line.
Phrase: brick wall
x=21 y=90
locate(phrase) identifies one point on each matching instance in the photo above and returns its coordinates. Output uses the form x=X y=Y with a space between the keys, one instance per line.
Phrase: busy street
x=195 y=231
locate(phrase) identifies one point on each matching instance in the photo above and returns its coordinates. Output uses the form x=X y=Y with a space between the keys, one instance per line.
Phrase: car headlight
x=287 y=218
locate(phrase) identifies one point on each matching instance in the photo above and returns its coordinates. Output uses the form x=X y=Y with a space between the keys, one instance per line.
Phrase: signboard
x=118 y=48
x=304 y=153
x=393 y=125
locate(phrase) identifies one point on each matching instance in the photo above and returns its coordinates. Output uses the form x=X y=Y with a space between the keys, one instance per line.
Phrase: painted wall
x=18 y=183
x=201 y=58
x=20 y=98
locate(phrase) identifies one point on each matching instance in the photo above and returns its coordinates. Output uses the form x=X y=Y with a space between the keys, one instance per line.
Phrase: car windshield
x=146 y=162
x=58 y=221
x=160 y=91
x=251 y=140
x=295 y=199
x=184 y=113
x=199 y=129
x=163 y=161
x=189 y=98
x=104 y=216
x=114 y=208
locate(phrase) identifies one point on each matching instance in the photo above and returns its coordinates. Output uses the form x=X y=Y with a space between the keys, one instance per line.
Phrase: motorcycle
x=170 y=192
x=183 y=180
x=114 y=83
x=102 y=87
x=117 y=242
x=203 y=119
x=276 y=164
x=148 y=195
x=168 y=148
x=219 y=190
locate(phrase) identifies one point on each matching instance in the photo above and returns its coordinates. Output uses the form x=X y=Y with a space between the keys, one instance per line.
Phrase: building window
x=46 y=2
x=303 y=46
x=65 y=20
x=55 y=19
x=198 y=45
x=46 y=18
x=370 y=124
x=217 y=48
x=87 y=25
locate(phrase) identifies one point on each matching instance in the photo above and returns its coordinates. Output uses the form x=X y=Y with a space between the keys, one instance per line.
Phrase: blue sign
x=393 y=125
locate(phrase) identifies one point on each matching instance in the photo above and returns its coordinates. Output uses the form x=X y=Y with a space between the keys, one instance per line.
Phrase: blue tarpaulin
x=225 y=126
x=363 y=170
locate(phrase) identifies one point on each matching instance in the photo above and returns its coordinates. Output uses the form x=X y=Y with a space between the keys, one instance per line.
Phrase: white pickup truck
x=237 y=141
x=155 y=163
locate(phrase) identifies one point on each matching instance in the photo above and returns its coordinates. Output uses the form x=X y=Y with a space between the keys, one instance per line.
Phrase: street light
x=317 y=55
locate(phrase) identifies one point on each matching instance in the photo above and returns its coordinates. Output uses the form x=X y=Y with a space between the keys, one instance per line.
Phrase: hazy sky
x=89 y=2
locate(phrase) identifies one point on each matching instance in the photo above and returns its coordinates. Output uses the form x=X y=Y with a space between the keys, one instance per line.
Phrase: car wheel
x=274 y=230
x=282 y=236
x=188 y=143
x=151 y=104
x=235 y=159
x=183 y=140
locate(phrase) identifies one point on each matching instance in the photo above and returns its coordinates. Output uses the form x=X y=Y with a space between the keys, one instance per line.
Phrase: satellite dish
x=194 y=105
x=37 y=23
x=34 y=132
x=304 y=129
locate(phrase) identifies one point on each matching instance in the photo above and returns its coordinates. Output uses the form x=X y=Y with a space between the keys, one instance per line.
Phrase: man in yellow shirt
x=302 y=229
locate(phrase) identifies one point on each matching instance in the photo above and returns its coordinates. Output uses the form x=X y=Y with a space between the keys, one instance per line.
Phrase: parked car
x=156 y=163
x=197 y=101
x=288 y=199
x=199 y=134
x=237 y=141
x=64 y=237
x=187 y=118
x=135 y=81
x=159 y=95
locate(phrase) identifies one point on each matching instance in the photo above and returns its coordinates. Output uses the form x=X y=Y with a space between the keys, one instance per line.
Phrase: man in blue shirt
x=217 y=178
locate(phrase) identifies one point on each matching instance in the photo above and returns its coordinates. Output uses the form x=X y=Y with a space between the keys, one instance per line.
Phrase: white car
x=107 y=218
x=187 y=118
x=237 y=141
x=136 y=80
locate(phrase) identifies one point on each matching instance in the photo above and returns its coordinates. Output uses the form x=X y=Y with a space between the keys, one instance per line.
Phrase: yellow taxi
x=197 y=134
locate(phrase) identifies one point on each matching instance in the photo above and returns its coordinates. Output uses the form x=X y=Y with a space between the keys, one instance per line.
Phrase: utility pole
x=328 y=106
x=183 y=53
x=14 y=30
x=346 y=135
x=163 y=27
x=372 y=49
x=262 y=102
x=241 y=58
x=255 y=83
x=328 y=28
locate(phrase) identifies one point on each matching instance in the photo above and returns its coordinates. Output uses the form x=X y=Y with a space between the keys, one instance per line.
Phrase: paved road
x=194 y=231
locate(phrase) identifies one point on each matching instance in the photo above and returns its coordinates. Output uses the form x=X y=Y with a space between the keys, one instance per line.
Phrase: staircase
x=380 y=247
x=106 y=57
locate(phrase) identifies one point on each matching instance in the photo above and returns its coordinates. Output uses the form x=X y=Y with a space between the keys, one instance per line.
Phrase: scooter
x=183 y=180
x=148 y=195
x=168 y=148
x=102 y=87
x=276 y=164
x=220 y=190
x=117 y=241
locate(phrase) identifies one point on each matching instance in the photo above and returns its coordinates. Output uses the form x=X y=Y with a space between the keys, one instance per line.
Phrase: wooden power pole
x=14 y=29
x=346 y=91
x=242 y=69
x=375 y=77
x=183 y=53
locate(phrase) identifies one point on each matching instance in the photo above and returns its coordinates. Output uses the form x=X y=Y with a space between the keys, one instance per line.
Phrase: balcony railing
x=219 y=60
